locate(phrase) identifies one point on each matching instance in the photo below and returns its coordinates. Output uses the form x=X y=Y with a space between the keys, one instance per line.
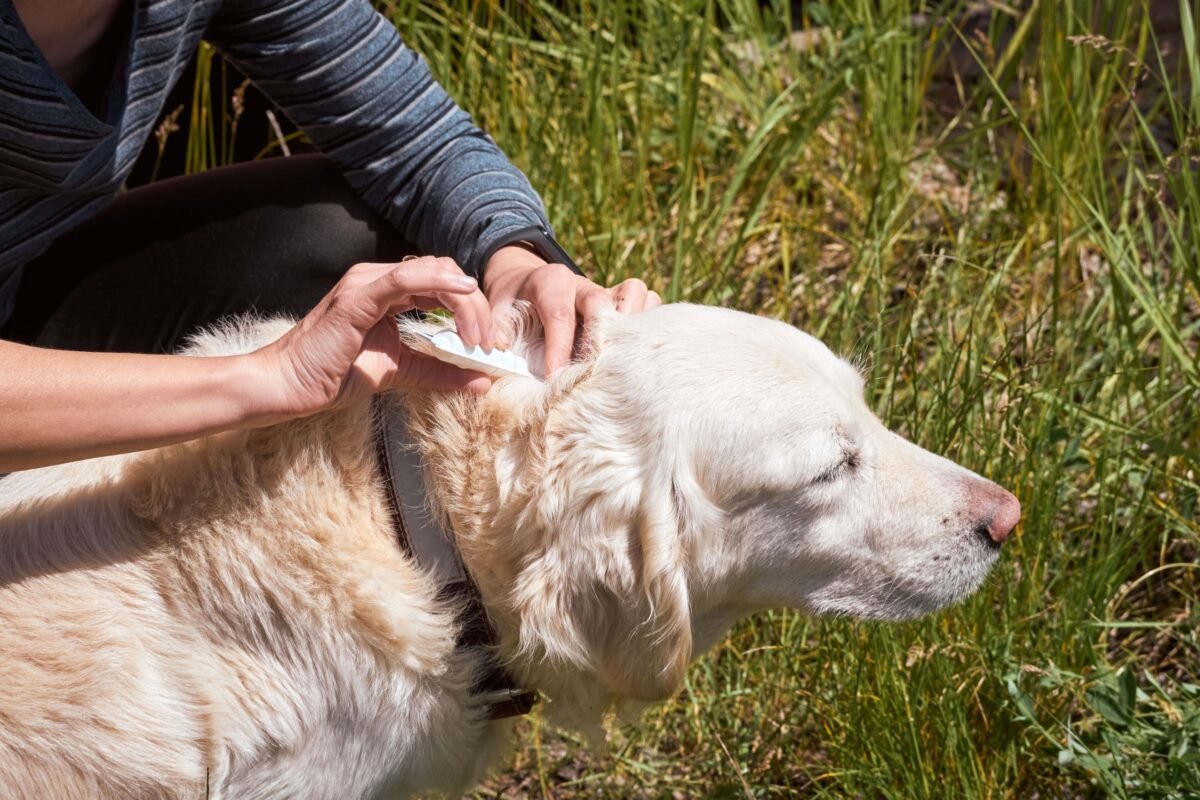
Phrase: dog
x=232 y=617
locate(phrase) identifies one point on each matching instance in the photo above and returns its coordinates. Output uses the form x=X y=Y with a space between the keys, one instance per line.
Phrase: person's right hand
x=348 y=348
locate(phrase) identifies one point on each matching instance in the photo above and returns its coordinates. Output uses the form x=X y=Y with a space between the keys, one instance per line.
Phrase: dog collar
x=421 y=538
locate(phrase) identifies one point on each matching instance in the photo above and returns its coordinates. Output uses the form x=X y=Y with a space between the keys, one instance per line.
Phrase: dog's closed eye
x=848 y=463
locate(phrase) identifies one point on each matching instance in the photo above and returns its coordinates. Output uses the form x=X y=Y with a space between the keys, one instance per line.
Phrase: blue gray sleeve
x=340 y=72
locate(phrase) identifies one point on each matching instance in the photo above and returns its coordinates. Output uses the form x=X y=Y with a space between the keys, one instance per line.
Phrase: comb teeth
x=447 y=346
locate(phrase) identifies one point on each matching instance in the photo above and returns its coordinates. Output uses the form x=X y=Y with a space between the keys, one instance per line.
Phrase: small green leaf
x=1023 y=700
x=1128 y=686
x=1105 y=702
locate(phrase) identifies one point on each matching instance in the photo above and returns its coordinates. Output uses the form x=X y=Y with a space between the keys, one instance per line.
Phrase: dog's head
x=700 y=464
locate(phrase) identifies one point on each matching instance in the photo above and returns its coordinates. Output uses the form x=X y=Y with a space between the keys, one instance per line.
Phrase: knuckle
x=552 y=275
x=345 y=305
x=355 y=276
x=559 y=314
x=594 y=302
x=338 y=299
x=397 y=278
x=411 y=264
x=593 y=294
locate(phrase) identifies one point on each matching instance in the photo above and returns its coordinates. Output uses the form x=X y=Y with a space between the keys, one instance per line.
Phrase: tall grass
x=997 y=215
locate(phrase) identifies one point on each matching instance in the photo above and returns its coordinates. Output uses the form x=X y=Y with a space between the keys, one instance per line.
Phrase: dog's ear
x=607 y=590
x=648 y=649
x=603 y=585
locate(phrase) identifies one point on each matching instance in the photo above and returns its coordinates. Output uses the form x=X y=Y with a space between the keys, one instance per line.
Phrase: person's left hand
x=559 y=296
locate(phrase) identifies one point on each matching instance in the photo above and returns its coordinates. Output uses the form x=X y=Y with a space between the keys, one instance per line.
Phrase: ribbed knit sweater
x=337 y=69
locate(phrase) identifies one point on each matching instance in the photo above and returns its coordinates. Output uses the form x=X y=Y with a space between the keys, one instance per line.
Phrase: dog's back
x=84 y=643
x=226 y=618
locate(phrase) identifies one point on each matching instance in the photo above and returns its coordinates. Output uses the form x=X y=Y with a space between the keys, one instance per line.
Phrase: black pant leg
x=163 y=260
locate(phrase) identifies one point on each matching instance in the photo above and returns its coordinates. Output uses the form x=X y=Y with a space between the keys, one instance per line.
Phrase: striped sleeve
x=340 y=72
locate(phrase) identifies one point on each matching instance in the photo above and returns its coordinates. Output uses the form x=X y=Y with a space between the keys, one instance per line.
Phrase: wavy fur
x=232 y=617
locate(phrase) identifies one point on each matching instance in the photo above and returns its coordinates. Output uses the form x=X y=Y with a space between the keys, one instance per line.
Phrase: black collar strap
x=422 y=539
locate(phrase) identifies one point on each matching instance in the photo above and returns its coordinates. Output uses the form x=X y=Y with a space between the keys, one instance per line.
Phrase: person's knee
x=269 y=236
x=313 y=215
x=333 y=228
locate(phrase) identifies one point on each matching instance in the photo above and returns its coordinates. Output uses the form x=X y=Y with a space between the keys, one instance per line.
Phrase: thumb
x=421 y=372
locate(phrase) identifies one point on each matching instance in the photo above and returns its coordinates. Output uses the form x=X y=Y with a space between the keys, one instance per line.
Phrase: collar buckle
x=504 y=703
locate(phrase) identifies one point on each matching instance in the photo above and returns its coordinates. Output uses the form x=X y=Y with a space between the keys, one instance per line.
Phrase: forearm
x=58 y=406
x=340 y=72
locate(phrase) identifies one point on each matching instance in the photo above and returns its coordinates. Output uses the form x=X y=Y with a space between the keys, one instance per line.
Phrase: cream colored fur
x=231 y=618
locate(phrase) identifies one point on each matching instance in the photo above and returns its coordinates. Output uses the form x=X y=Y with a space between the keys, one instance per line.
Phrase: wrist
x=253 y=392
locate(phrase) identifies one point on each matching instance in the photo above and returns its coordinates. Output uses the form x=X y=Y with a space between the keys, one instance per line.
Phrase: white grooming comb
x=447 y=346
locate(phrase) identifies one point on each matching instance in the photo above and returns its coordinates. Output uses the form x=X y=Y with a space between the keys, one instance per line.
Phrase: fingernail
x=465 y=281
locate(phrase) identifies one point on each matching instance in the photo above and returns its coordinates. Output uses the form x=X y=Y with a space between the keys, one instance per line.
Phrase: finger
x=629 y=296
x=465 y=314
x=555 y=302
x=366 y=272
x=362 y=273
x=500 y=307
x=590 y=300
x=501 y=310
x=653 y=300
x=481 y=317
x=488 y=336
x=397 y=286
x=472 y=316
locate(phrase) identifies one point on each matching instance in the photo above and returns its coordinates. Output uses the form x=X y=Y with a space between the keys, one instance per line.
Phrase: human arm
x=340 y=72
x=61 y=406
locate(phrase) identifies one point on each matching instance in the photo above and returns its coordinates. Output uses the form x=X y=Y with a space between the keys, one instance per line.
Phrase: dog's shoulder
x=237 y=335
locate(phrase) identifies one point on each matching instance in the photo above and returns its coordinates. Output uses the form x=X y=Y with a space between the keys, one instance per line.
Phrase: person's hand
x=558 y=296
x=348 y=348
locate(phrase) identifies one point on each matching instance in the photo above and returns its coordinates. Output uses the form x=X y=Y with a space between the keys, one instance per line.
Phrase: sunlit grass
x=1008 y=244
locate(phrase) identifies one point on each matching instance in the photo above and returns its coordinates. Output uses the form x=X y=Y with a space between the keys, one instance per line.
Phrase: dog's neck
x=487 y=470
x=493 y=444
x=581 y=573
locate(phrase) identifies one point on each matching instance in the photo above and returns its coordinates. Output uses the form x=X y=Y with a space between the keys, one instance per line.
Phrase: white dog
x=232 y=618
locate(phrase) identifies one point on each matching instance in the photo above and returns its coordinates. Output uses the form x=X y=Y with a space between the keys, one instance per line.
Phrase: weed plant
x=993 y=208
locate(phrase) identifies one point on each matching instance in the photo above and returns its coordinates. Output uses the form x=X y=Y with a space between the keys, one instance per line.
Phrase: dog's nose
x=1001 y=512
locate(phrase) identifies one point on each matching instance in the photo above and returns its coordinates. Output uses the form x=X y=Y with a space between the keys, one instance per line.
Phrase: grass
x=996 y=213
